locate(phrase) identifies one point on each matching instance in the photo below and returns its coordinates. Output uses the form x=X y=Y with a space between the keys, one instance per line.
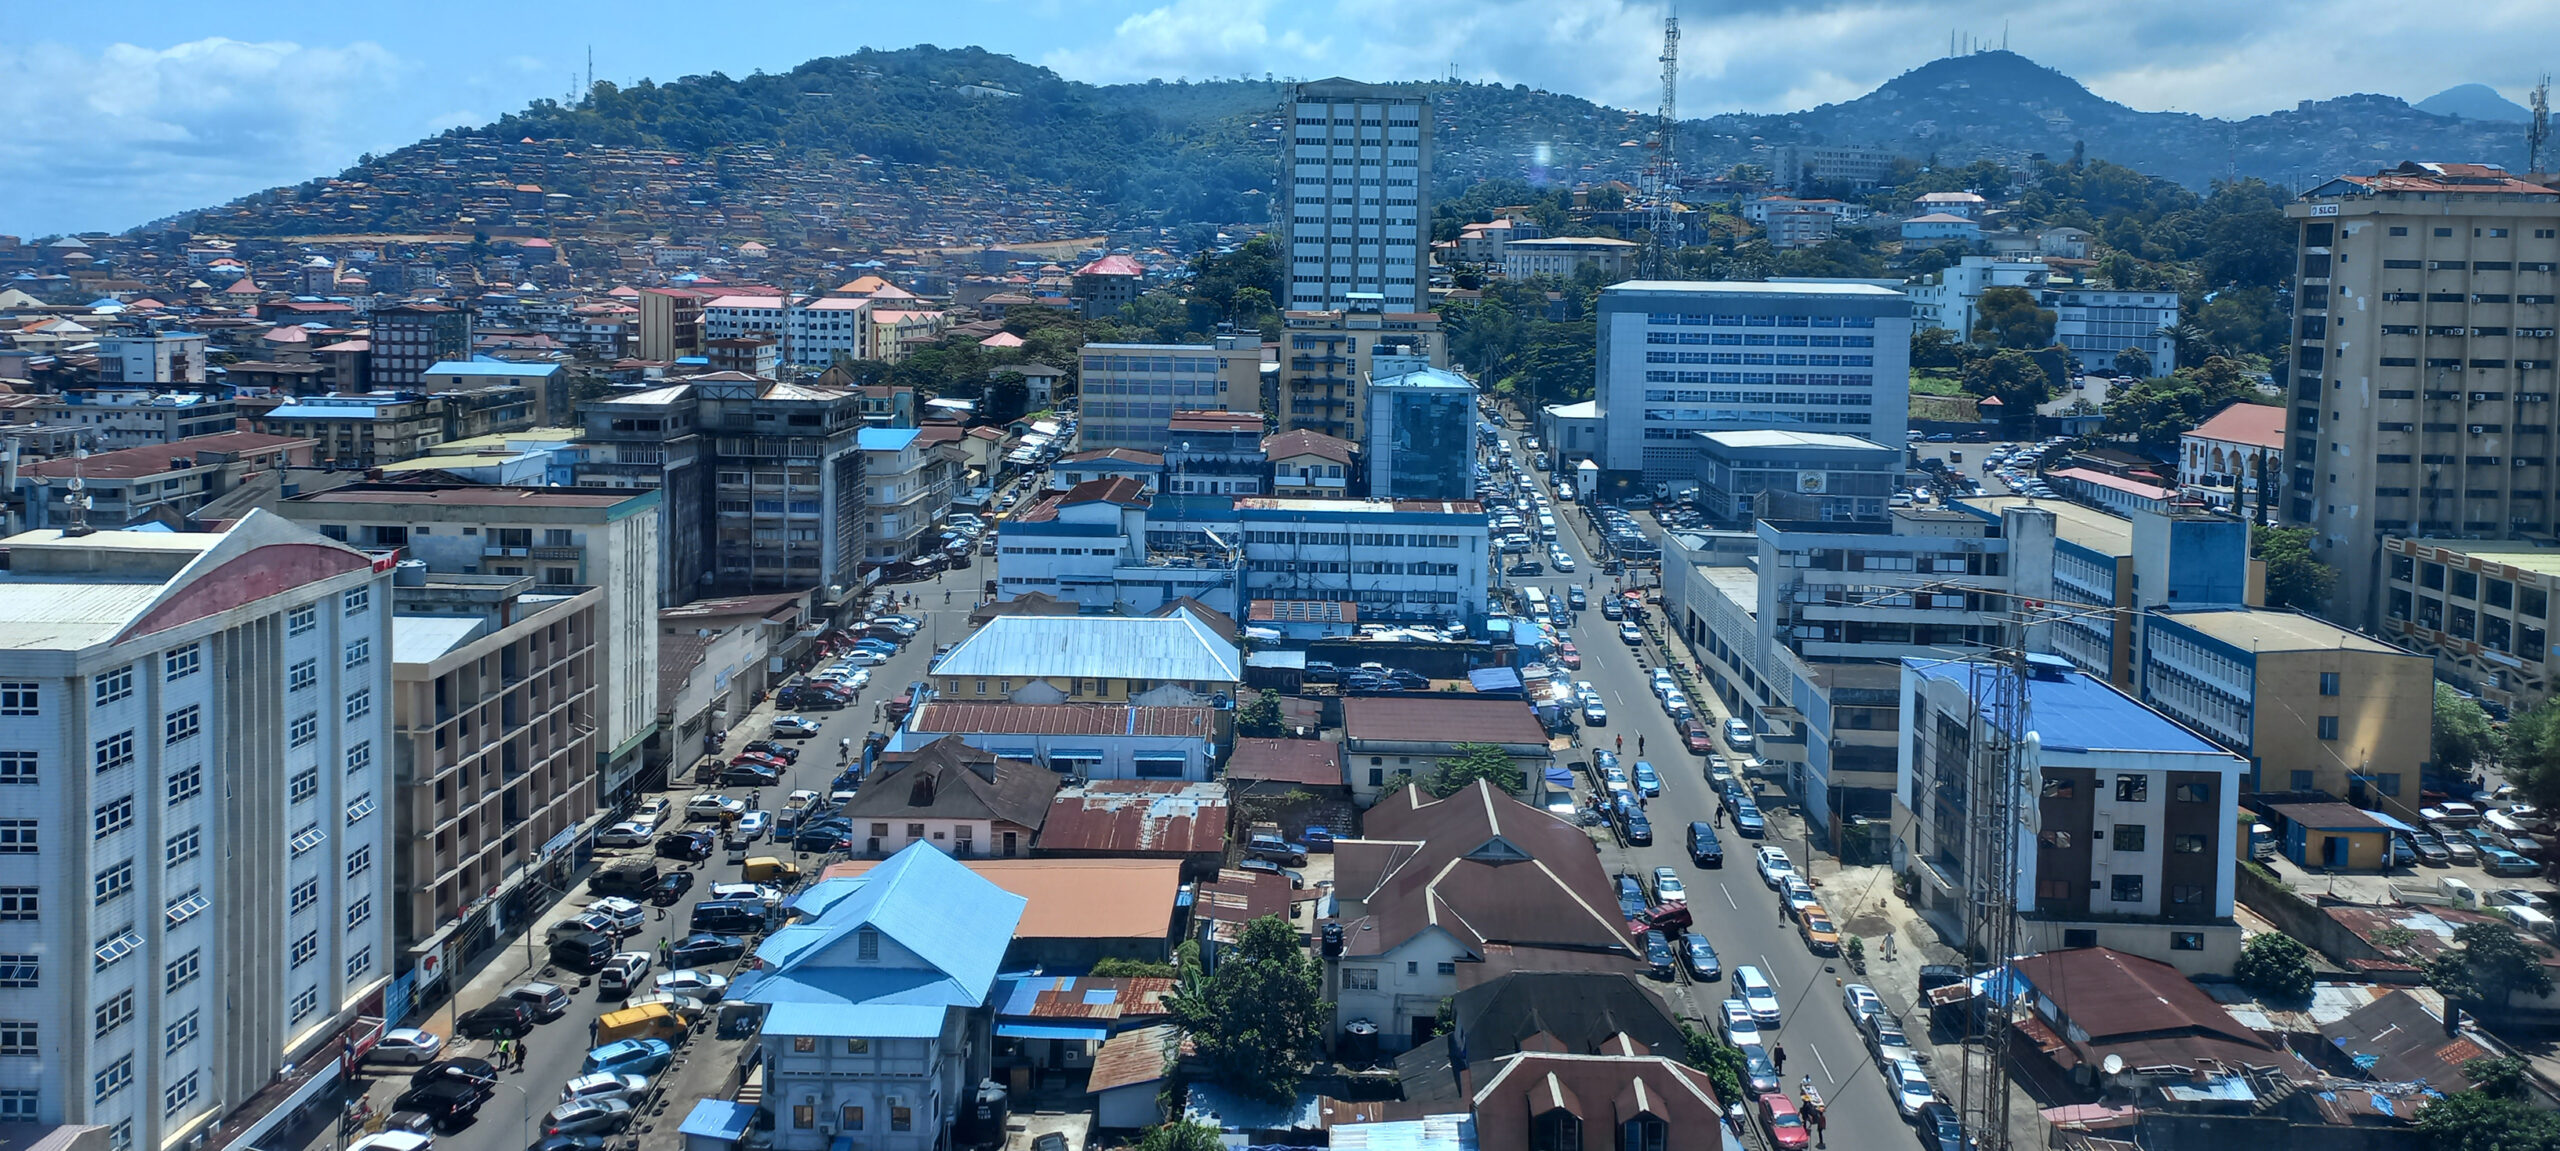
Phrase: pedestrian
x=1622 y=743
x=1821 y=1127
x=518 y=1054
x=504 y=1045
x=1639 y=745
x=1778 y=1055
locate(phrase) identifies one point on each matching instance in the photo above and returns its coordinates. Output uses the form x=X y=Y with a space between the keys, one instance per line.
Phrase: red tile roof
x=2259 y=425
x=155 y=459
x=1309 y=761
x=1441 y=719
x=1113 y=266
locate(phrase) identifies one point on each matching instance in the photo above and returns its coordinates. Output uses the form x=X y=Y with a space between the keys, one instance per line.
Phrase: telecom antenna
x=2540 y=133
x=1662 y=176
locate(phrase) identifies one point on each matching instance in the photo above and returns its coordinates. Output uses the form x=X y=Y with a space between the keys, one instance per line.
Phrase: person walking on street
x=1622 y=743
x=517 y=1055
x=1778 y=1055
x=666 y=952
x=504 y=1045
x=1639 y=745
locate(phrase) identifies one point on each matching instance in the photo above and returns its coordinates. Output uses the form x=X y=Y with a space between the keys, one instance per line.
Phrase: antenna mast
x=1999 y=811
x=2540 y=133
x=1662 y=177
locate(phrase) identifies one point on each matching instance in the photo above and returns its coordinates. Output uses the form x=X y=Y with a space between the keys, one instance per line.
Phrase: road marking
x=1826 y=1066
x=1769 y=969
x=1728 y=897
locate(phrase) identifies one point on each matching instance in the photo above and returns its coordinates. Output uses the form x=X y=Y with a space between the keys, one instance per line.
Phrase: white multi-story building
x=1423 y=560
x=1677 y=357
x=193 y=871
x=906 y=490
x=2094 y=323
x=813 y=332
x=1359 y=196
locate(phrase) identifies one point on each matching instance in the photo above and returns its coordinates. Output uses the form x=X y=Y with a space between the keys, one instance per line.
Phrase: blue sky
x=125 y=111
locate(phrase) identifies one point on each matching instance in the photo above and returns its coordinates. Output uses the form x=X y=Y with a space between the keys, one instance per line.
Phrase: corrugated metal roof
x=1138 y=817
x=970 y=718
x=1176 y=647
x=426 y=638
x=951 y=919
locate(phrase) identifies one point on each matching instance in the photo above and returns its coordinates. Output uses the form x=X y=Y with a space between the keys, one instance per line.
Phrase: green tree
x=2463 y=735
x=2009 y=318
x=1256 y=1017
x=1261 y=717
x=2014 y=377
x=2499 y=1076
x=2295 y=578
x=2487 y=964
x=1180 y=1135
x=2134 y=362
x=2479 y=1121
x=2276 y=966
x=1476 y=761
x=1722 y=1061
x=1114 y=967
x=1935 y=348
x=2155 y=412
x=2529 y=753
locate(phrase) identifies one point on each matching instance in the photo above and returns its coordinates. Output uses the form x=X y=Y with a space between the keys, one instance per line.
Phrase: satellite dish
x=2114 y=1065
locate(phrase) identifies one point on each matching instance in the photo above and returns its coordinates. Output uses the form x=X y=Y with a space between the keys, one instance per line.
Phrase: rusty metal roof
x=1138 y=817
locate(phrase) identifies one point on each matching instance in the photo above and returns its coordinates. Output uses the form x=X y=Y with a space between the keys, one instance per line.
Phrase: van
x=583 y=951
x=767 y=869
x=648 y=1021
x=2458 y=893
x=2262 y=842
x=2531 y=920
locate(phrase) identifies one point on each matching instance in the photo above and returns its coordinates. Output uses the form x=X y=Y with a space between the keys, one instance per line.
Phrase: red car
x=1779 y=1118
x=1569 y=655
x=1700 y=740
x=762 y=760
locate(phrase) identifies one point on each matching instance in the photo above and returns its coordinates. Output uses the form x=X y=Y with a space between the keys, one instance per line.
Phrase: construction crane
x=1662 y=175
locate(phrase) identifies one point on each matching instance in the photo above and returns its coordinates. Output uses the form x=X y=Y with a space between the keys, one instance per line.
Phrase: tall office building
x=1422 y=432
x=2422 y=368
x=1132 y=390
x=1679 y=357
x=410 y=338
x=1359 y=196
x=194 y=871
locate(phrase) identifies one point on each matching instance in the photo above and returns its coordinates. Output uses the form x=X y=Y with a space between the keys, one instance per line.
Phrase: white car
x=1775 y=867
x=1758 y=994
x=626 y=915
x=628 y=833
x=752 y=826
x=1663 y=680
x=1582 y=690
x=709 y=808
x=865 y=657
x=794 y=726
x=1909 y=1087
x=799 y=800
x=1667 y=887
x=1861 y=1002
x=1674 y=700
x=394 y=1140
x=693 y=981
x=654 y=811
x=850 y=677
x=1740 y=1029
x=605 y=1085
x=1563 y=562
x=407 y=1045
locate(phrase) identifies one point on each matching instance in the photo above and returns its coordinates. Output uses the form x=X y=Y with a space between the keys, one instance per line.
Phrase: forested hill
x=953 y=123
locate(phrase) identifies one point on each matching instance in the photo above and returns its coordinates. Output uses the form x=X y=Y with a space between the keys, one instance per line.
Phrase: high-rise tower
x=1359 y=198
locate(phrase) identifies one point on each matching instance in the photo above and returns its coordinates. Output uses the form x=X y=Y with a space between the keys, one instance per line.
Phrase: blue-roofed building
x=877 y=1003
x=2126 y=835
x=908 y=487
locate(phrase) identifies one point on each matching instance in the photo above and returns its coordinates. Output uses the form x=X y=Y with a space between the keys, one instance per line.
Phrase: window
x=901 y=1116
x=359 y=963
x=804 y=1115
x=17 y=1037
x=804 y=1044
x=2186 y=941
x=113 y=752
x=851 y=1117
x=18 y=836
x=181 y=662
x=2055 y=839
x=359 y=911
x=19 y=904
x=180 y=1033
x=360 y=757
x=112 y=816
x=302 y=676
x=308 y=838
x=19 y=1106
x=1446 y=968
x=306 y=1003
x=2133 y=789
x=114 y=685
x=360 y=651
x=304 y=732
x=359 y=704
x=2192 y=793
x=183 y=846
x=2127 y=888
x=2131 y=837
x=182 y=971
x=359 y=861
x=2187 y=844
x=2057 y=787
x=2328 y=727
x=20 y=699
x=21 y=969
x=114 y=1013
x=179 y=1095
x=114 y=881
x=2328 y=683
x=857 y=1047
x=2302 y=780
x=301 y=619
x=305 y=894
x=306 y=783
x=358 y=600
x=186 y=782
x=184 y=723
x=306 y=948
x=2186 y=894
x=117 y=1076
x=360 y=808
x=188 y=906
x=1359 y=978
x=114 y=948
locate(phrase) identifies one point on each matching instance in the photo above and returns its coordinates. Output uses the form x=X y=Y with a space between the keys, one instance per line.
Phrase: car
x=1909 y=1087
x=1758 y=993
x=1639 y=830
x=1736 y=1024
x=814 y=699
x=751 y=827
x=1631 y=900
x=1778 y=1117
x=1820 y=937
x=1701 y=958
x=750 y=775
x=1737 y=733
x=865 y=657
x=1660 y=960
x=1943 y=438
x=403 y=1131
x=1759 y=1072
x=2500 y=861
x=476 y=1070
x=2464 y=853
x=629 y=1057
x=1775 y=866
x=1595 y=713
x=760 y=759
x=625 y=915
x=1272 y=846
x=1561 y=562
x=1569 y=655
x=1672 y=699
x=1861 y=1002
x=2451 y=814
x=1696 y=738
x=1297 y=879
x=628 y=833
x=704 y=947
x=1667 y=887
x=823 y=835
x=504 y=1019
x=693 y=846
x=1647 y=779
x=588 y=1117
x=1798 y=896
x=1748 y=822
x=1631 y=635
x=604 y=1085
x=786 y=752
x=710 y=807
x=407 y=1045
x=685 y=1007
x=1941 y=1129
x=654 y=811
x=2431 y=850
x=447 y=1102
x=1611 y=609
x=794 y=726
x=1576 y=598
x=1886 y=1039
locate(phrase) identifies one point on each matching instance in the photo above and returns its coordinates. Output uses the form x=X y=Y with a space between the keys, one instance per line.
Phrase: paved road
x=555 y=1050
x=1738 y=913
